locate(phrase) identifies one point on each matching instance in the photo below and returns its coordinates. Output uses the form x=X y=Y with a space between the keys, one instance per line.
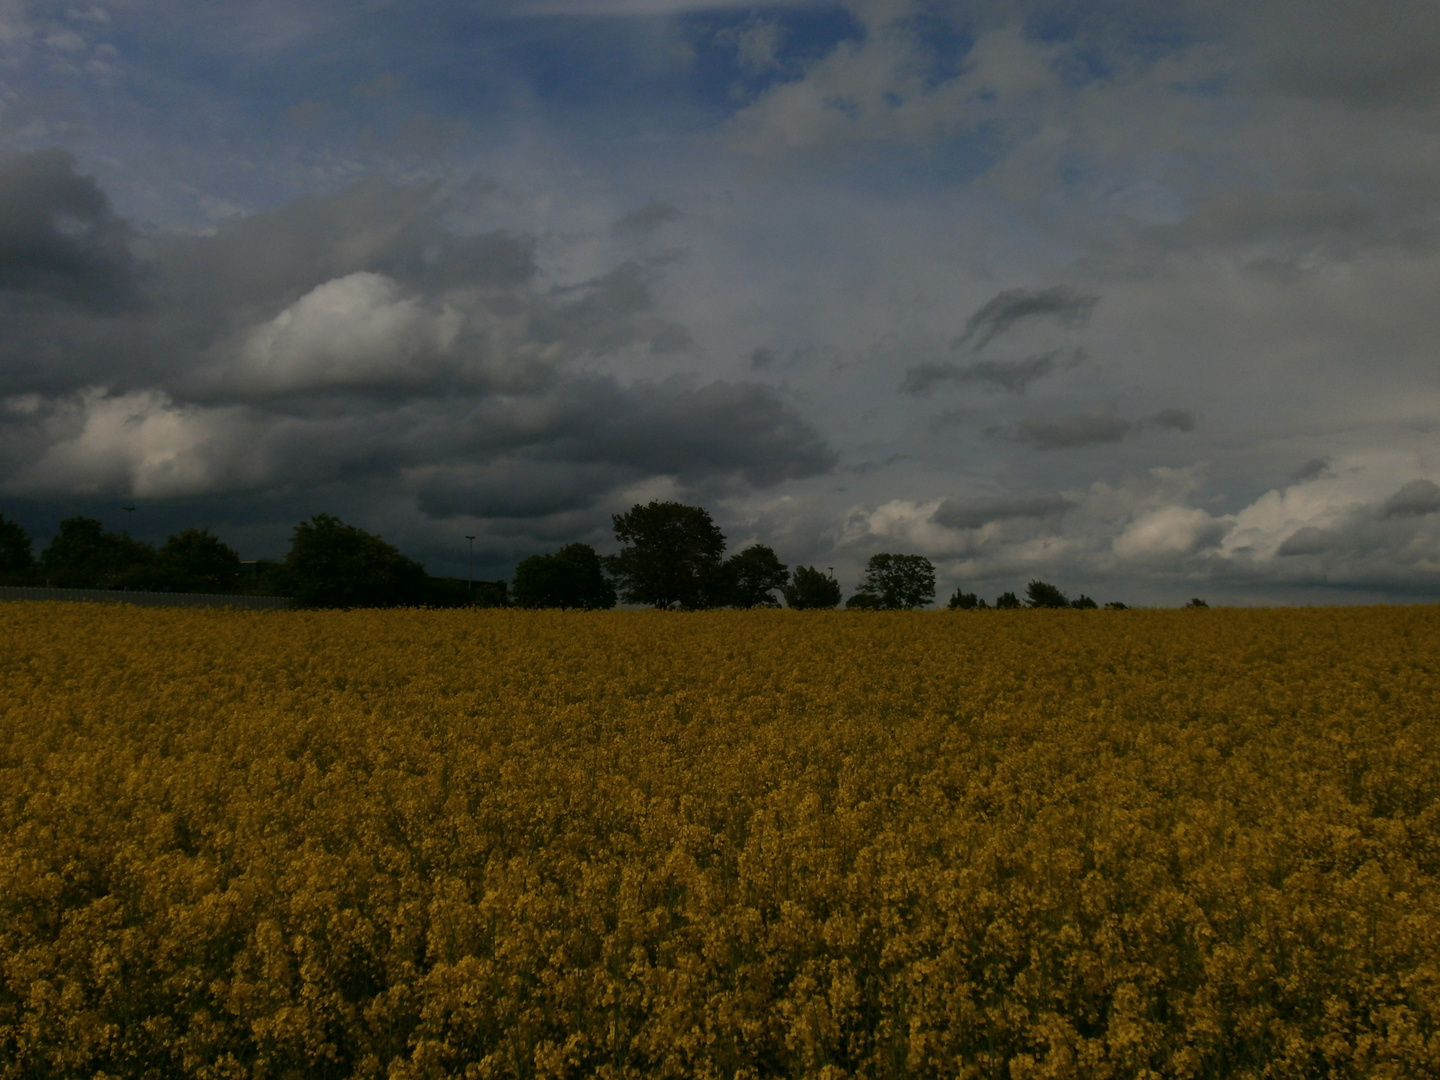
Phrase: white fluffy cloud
x=1357 y=522
x=140 y=444
x=354 y=331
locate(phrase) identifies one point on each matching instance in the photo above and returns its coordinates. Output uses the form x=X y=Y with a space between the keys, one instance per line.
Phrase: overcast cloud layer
x=1138 y=298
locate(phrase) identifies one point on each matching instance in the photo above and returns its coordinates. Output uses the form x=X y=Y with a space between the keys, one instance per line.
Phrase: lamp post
x=470 y=579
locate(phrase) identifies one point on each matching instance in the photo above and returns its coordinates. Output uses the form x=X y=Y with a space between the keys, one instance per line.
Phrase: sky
x=1138 y=298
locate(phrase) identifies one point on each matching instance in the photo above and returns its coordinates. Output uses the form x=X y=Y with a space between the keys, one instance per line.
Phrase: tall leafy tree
x=809 y=588
x=334 y=565
x=17 y=555
x=1041 y=594
x=83 y=555
x=896 y=583
x=669 y=556
x=573 y=577
x=196 y=560
x=753 y=577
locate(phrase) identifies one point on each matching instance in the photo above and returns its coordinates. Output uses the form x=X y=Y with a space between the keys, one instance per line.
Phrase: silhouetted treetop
x=573 y=577
x=670 y=556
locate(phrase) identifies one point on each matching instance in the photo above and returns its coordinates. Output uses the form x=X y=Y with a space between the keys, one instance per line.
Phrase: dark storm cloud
x=998 y=314
x=1312 y=470
x=515 y=488
x=1415 y=499
x=351 y=341
x=1011 y=376
x=1354 y=53
x=1307 y=541
x=1174 y=419
x=1392 y=531
x=646 y=219
x=606 y=314
x=1070 y=432
x=1090 y=428
x=59 y=239
x=676 y=428
x=438 y=310
x=957 y=515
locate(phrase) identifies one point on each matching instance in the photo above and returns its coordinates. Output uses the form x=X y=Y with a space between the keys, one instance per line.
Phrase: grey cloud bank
x=1135 y=299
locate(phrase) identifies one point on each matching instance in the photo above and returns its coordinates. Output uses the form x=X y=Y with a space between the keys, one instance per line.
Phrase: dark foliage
x=1196 y=602
x=1007 y=601
x=197 y=560
x=669 y=556
x=334 y=565
x=1084 y=603
x=809 y=588
x=1116 y=605
x=966 y=601
x=1041 y=594
x=864 y=601
x=753 y=576
x=17 y=557
x=453 y=592
x=898 y=582
x=82 y=555
x=573 y=577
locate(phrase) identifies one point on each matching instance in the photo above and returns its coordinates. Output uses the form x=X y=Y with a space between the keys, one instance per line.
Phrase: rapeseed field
x=416 y=844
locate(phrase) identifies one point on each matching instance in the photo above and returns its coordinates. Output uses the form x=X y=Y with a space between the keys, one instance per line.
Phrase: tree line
x=329 y=564
x=672 y=556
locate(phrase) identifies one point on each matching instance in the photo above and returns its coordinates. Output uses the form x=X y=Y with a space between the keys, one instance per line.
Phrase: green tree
x=573 y=577
x=1084 y=603
x=17 y=556
x=334 y=565
x=896 y=583
x=82 y=555
x=753 y=576
x=809 y=588
x=1007 y=601
x=1196 y=602
x=196 y=560
x=669 y=556
x=966 y=601
x=1041 y=594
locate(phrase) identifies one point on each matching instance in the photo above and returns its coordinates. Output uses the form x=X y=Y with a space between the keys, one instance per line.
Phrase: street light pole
x=471 y=571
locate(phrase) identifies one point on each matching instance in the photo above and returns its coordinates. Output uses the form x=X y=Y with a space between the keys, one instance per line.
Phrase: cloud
x=1415 y=499
x=1346 y=53
x=355 y=350
x=1168 y=533
x=59 y=239
x=1091 y=428
x=1174 y=419
x=1306 y=541
x=353 y=331
x=585 y=437
x=139 y=444
x=1311 y=470
x=1001 y=312
x=975 y=515
x=1011 y=376
x=636 y=8
x=647 y=219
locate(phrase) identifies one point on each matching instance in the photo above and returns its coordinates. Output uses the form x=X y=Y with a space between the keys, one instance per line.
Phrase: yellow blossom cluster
x=416 y=844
